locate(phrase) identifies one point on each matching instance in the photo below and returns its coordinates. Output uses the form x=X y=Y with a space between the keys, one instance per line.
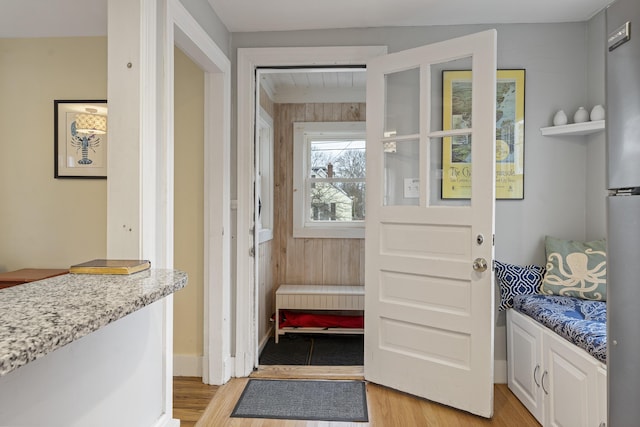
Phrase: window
x=264 y=184
x=329 y=179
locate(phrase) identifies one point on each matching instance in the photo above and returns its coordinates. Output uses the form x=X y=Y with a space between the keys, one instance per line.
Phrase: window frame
x=302 y=226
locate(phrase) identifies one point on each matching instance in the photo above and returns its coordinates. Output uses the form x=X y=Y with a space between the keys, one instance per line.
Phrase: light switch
x=411 y=188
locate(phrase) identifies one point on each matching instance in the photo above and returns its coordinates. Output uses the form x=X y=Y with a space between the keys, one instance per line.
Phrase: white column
x=140 y=162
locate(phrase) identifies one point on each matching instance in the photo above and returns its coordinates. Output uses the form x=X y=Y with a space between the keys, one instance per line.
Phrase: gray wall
x=564 y=176
x=596 y=147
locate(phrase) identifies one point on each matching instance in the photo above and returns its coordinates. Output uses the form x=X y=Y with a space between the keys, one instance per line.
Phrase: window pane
x=338 y=159
x=337 y=201
x=456 y=150
x=402 y=109
x=402 y=173
x=456 y=172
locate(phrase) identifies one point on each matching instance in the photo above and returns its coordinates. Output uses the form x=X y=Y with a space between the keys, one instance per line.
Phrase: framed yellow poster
x=456 y=151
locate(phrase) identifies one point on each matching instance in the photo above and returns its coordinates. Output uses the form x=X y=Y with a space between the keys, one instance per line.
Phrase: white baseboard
x=166 y=421
x=265 y=339
x=187 y=365
x=500 y=371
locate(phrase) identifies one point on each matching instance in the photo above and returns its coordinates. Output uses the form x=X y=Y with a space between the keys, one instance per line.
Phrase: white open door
x=429 y=283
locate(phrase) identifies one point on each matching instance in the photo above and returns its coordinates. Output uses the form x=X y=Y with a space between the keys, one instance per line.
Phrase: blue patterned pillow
x=517 y=280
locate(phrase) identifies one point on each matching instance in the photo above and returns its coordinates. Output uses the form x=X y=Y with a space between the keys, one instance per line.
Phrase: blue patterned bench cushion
x=582 y=322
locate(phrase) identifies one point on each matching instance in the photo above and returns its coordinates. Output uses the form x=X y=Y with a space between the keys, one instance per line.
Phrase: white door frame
x=182 y=30
x=248 y=60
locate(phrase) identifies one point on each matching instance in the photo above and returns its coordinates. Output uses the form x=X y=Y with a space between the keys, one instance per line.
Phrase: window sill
x=328 y=233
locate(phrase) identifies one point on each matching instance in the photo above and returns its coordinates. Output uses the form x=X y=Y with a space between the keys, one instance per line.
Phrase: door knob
x=480 y=264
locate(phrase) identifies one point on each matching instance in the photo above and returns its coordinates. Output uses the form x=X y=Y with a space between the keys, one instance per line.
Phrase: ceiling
x=281 y=15
x=314 y=85
x=61 y=18
x=68 y=18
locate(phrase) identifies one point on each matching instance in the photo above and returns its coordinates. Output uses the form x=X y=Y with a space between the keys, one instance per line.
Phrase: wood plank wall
x=309 y=261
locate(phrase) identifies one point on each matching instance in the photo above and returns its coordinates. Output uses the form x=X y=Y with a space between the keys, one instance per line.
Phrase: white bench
x=318 y=297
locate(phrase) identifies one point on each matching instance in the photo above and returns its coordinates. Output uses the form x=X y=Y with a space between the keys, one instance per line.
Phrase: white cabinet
x=524 y=362
x=602 y=395
x=559 y=383
x=570 y=384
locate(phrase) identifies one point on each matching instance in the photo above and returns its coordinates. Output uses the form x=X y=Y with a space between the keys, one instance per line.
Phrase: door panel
x=428 y=343
x=428 y=313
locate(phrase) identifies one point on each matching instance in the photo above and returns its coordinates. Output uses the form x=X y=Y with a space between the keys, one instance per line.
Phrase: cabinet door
x=601 y=397
x=570 y=383
x=524 y=356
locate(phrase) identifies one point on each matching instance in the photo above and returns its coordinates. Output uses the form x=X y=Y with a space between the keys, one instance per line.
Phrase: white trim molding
x=188 y=35
x=303 y=226
x=248 y=59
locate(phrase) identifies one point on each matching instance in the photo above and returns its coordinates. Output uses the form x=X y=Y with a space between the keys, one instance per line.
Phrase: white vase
x=581 y=116
x=597 y=113
x=560 y=118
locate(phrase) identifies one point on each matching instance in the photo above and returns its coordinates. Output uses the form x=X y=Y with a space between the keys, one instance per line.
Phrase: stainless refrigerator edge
x=623 y=212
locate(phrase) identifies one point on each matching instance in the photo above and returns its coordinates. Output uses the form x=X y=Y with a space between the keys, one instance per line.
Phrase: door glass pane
x=450 y=157
x=402 y=109
x=401 y=172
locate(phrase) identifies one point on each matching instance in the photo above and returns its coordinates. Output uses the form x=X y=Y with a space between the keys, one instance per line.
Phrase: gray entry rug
x=303 y=400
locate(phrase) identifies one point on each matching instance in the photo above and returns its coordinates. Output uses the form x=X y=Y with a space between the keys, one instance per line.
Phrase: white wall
x=111 y=377
x=557 y=59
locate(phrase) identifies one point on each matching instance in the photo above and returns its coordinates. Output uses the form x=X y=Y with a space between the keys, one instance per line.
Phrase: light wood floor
x=190 y=398
x=387 y=407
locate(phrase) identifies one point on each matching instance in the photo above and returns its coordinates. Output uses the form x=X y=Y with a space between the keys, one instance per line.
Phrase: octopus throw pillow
x=576 y=269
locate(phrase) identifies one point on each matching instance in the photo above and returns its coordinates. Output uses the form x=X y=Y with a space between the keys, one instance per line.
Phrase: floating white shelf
x=574 y=129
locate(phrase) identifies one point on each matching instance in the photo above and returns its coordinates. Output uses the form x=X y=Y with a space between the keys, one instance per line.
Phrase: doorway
x=309 y=155
x=247 y=314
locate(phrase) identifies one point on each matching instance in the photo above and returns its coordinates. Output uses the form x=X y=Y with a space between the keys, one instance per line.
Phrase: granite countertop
x=39 y=317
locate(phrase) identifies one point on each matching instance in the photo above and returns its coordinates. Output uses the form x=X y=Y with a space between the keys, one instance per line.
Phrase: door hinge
x=252 y=251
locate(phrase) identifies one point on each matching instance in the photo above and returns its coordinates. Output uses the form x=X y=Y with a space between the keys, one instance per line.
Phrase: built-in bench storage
x=314 y=298
x=556 y=363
